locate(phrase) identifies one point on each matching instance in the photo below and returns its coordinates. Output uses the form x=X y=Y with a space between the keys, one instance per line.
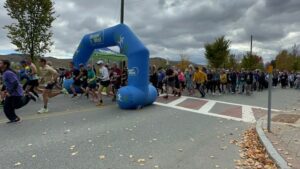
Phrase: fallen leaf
x=67 y=131
x=253 y=154
x=141 y=160
x=75 y=153
x=102 y=157
x=224 y=148
x=18 y=164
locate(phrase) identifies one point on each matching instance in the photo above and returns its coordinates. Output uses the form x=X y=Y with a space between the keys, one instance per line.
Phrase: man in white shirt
x=104 y=80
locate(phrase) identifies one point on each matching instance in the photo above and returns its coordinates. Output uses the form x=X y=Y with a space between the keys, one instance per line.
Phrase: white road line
x=247 y=114
x=236 y=104
x=177 y=101
x=206 y=108
x=198 y=112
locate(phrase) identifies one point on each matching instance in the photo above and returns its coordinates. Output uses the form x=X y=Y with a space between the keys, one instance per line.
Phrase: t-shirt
x=104 y=75
x=169 y=73
x=48 y=74
x=12 y=84
x=91 y=77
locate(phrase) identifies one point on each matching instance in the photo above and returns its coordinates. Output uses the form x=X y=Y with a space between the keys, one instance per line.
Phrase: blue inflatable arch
x=139 y=92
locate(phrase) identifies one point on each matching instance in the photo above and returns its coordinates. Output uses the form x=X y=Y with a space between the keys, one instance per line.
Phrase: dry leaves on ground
x=253 y=153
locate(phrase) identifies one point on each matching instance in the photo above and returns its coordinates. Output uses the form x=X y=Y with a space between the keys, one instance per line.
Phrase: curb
x=280 y=162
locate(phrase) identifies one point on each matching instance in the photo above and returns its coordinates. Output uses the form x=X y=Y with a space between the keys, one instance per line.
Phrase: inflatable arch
x=139 y=92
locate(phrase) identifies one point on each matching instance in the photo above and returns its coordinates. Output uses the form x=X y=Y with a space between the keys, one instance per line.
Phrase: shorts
x=171 y=83
x=34 y=83
x=84 y=85
x=92 y=86
x=116 y=86
x=50 y=86
x=105 y=83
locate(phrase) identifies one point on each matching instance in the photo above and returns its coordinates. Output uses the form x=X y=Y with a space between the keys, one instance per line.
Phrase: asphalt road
x=77 y=135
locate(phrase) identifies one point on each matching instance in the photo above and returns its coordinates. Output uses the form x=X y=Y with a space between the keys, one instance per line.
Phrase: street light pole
x=122 y=12
x=251 y=45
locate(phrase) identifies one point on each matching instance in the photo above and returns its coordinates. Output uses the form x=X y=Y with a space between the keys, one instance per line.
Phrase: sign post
x=270 y=71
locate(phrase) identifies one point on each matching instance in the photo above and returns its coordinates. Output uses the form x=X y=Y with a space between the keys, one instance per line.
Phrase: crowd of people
x=218 y=81
x=18 y=88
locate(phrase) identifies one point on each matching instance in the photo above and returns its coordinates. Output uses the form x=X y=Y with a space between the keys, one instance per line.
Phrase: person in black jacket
x=249 y=82
x=233 y=78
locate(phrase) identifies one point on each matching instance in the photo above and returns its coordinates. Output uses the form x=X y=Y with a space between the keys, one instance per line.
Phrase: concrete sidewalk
x=285 y=136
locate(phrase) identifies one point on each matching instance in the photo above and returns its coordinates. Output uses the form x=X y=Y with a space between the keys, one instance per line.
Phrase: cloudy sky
x=171 y=27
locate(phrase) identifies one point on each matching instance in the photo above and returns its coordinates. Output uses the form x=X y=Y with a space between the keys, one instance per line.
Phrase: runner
x=104 y=81
x=13 y=92
x=48 y=79
x=92 y=84
x=115 y=77
x=75 y=74
x=33 y=79
x=83 y=78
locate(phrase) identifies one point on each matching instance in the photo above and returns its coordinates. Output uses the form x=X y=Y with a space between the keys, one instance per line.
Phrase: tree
x=232 y=62
x=284 y=61
x=217 y=52
x=184 y=62
x=252 y=62
x=31 y=33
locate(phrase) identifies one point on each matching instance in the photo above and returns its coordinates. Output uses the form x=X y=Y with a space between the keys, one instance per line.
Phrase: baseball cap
x=100 y=62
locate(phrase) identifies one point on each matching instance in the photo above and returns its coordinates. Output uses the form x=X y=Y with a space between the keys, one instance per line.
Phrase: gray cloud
x=171 y=27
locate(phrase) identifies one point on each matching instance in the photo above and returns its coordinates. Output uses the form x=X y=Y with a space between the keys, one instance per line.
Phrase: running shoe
x=64 y=91
x=43 y=110
x=100 y=103
x=14 y=121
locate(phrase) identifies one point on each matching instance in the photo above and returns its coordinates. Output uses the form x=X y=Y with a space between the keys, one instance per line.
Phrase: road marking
x=177 y=101
x=198 y=112
x=247 y=114
x=55 y=114
x=207 y=107
x=236 y=104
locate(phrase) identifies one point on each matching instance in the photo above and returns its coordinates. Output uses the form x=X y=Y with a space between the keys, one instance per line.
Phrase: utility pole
x=122 y=12
x=251 y=45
